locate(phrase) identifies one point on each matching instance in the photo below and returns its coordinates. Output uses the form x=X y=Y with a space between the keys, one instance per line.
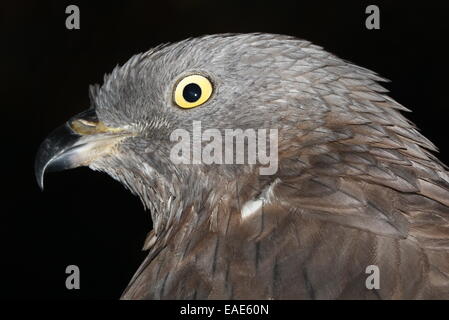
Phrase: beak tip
x=40 y=183
x=39 y=172
x=53 y=152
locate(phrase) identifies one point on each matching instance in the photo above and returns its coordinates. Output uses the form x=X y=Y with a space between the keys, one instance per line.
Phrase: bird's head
x=252 y=81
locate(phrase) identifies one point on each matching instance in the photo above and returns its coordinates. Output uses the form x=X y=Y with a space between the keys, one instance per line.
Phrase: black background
x=87 y=219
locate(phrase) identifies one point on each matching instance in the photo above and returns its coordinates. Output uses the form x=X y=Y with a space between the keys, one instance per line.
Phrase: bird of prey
x=356 y=185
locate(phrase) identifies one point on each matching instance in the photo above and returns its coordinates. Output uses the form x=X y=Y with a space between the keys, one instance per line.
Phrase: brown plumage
x=356 y=184
x=339 y=210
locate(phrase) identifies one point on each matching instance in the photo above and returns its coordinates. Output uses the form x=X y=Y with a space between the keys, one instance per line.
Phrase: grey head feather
x=261 y=81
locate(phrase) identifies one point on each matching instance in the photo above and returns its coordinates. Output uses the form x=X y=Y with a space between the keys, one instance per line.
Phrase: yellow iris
x=192 y=91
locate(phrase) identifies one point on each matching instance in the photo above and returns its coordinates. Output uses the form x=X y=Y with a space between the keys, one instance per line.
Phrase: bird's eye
x=192 y=91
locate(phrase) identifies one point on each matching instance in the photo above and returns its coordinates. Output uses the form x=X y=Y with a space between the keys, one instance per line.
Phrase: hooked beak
x=78 y=142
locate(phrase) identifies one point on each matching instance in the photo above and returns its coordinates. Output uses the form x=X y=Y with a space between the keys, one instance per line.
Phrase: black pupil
x=191 y=92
